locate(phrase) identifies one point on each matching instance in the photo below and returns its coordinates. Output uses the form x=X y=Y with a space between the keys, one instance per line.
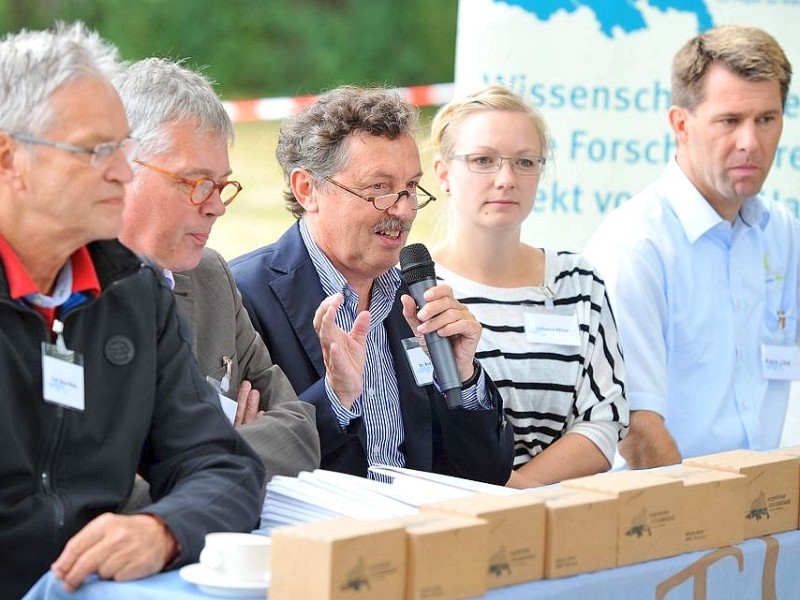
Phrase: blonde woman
x=549 y=339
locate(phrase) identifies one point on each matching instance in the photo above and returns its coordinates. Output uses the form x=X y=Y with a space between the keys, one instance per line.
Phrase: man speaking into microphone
x=337 y=317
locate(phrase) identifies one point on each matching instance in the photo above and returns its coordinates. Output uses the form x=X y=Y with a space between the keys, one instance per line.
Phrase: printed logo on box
x=639 y=525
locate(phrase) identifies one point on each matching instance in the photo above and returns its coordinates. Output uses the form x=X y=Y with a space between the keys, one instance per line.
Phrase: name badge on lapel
x=420 y=363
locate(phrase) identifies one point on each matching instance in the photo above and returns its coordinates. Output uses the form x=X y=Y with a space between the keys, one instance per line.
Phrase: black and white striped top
x=548 y=389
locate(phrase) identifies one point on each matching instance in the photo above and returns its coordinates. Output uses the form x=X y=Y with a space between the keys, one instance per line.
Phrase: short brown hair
x=315 y=138
x=748 y=52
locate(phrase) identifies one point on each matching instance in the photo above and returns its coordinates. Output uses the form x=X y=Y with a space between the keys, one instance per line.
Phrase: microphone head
x=416 y=264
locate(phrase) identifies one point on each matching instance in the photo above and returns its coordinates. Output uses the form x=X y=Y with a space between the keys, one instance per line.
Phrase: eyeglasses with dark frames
x=203 y=188
x=492 y=163
x=387 y=201
x=100 y=153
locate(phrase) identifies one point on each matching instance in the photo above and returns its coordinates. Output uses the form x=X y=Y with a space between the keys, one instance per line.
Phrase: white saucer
x=211 y=583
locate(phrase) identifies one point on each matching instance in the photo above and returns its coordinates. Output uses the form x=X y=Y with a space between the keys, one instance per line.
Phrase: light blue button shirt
x=695 y=298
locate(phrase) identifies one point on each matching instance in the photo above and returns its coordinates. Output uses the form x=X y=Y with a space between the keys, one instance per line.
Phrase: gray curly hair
x=315 y=138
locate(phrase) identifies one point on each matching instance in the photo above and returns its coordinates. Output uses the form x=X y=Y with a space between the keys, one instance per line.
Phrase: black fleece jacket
x=148 y=409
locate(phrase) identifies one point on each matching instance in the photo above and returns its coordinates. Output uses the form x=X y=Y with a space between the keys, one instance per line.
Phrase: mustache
x=393 y=224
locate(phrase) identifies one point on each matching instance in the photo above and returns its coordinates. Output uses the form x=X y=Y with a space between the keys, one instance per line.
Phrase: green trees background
x=255 y=48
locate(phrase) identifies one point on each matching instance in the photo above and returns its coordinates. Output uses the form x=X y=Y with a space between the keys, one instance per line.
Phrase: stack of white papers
x=318 y=495
x=435 y=481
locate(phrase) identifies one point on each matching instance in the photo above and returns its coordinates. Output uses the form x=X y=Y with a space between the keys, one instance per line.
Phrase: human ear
x=10 y=155
x=302 y=184
x=442 y=174
x=678 y=119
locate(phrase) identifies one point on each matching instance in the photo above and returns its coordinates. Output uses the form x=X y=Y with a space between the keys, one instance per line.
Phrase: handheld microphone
x=419 y=275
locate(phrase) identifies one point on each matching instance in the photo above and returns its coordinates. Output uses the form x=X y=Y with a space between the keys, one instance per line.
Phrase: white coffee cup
x=237 y=557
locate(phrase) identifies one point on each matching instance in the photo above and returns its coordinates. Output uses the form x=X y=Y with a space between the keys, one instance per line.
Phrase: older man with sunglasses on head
x=97 y=379
x=335 y=316
x=180 y=187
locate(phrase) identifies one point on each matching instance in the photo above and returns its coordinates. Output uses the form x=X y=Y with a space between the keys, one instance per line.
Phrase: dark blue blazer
x=281 y=291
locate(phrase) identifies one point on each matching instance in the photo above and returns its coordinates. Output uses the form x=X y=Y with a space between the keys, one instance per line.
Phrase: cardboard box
x=771 y=493
x=791 y=451
x=581 y=530
x=650 y=512
x=713 y=505
x=339 y=559
x=516 y=534
x=446 y=556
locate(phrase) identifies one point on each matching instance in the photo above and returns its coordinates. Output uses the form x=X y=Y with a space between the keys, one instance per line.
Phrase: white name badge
x=420 y=363
x=780 y=362
x=549 y=328
x=62 y=377
x=228 y=406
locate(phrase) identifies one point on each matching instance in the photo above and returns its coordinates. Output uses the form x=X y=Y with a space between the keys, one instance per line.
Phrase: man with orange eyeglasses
x=181 y=185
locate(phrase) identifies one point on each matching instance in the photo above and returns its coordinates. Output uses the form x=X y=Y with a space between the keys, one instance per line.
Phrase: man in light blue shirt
x=702 y=272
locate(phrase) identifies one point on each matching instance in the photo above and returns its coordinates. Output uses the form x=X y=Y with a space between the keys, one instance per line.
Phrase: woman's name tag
x=549 y=328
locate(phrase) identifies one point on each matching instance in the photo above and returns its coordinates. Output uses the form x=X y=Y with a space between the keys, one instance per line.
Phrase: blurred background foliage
x=258 y=48
x=265 y=48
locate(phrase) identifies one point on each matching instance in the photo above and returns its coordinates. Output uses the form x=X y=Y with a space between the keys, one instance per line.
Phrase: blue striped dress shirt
x=379 y=403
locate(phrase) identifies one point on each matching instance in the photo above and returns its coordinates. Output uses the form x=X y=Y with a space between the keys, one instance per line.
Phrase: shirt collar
x=83 y=272
x=20 y=283
x=169 y=276
x=696 y=215
x=755 y=212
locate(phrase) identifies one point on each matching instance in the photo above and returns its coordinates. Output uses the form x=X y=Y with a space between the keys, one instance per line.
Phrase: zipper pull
x=58 y=330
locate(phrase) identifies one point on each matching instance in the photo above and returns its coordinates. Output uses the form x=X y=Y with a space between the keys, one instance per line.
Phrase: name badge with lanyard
x=62 y=372
x=222 y=386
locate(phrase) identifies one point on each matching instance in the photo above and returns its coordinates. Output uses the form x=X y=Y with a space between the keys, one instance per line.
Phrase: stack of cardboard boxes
x=460 y=548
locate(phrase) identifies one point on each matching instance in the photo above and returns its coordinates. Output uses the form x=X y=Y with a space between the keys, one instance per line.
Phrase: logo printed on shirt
x=119 y=350
x=772 y=276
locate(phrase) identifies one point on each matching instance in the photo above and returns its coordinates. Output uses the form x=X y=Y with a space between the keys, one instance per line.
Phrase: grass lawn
x=258 y=217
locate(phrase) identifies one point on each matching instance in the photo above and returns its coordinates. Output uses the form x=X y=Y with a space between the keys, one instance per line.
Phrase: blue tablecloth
x=759 y=568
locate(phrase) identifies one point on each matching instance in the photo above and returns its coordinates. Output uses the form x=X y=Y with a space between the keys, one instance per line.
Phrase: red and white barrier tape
x=273 y=109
